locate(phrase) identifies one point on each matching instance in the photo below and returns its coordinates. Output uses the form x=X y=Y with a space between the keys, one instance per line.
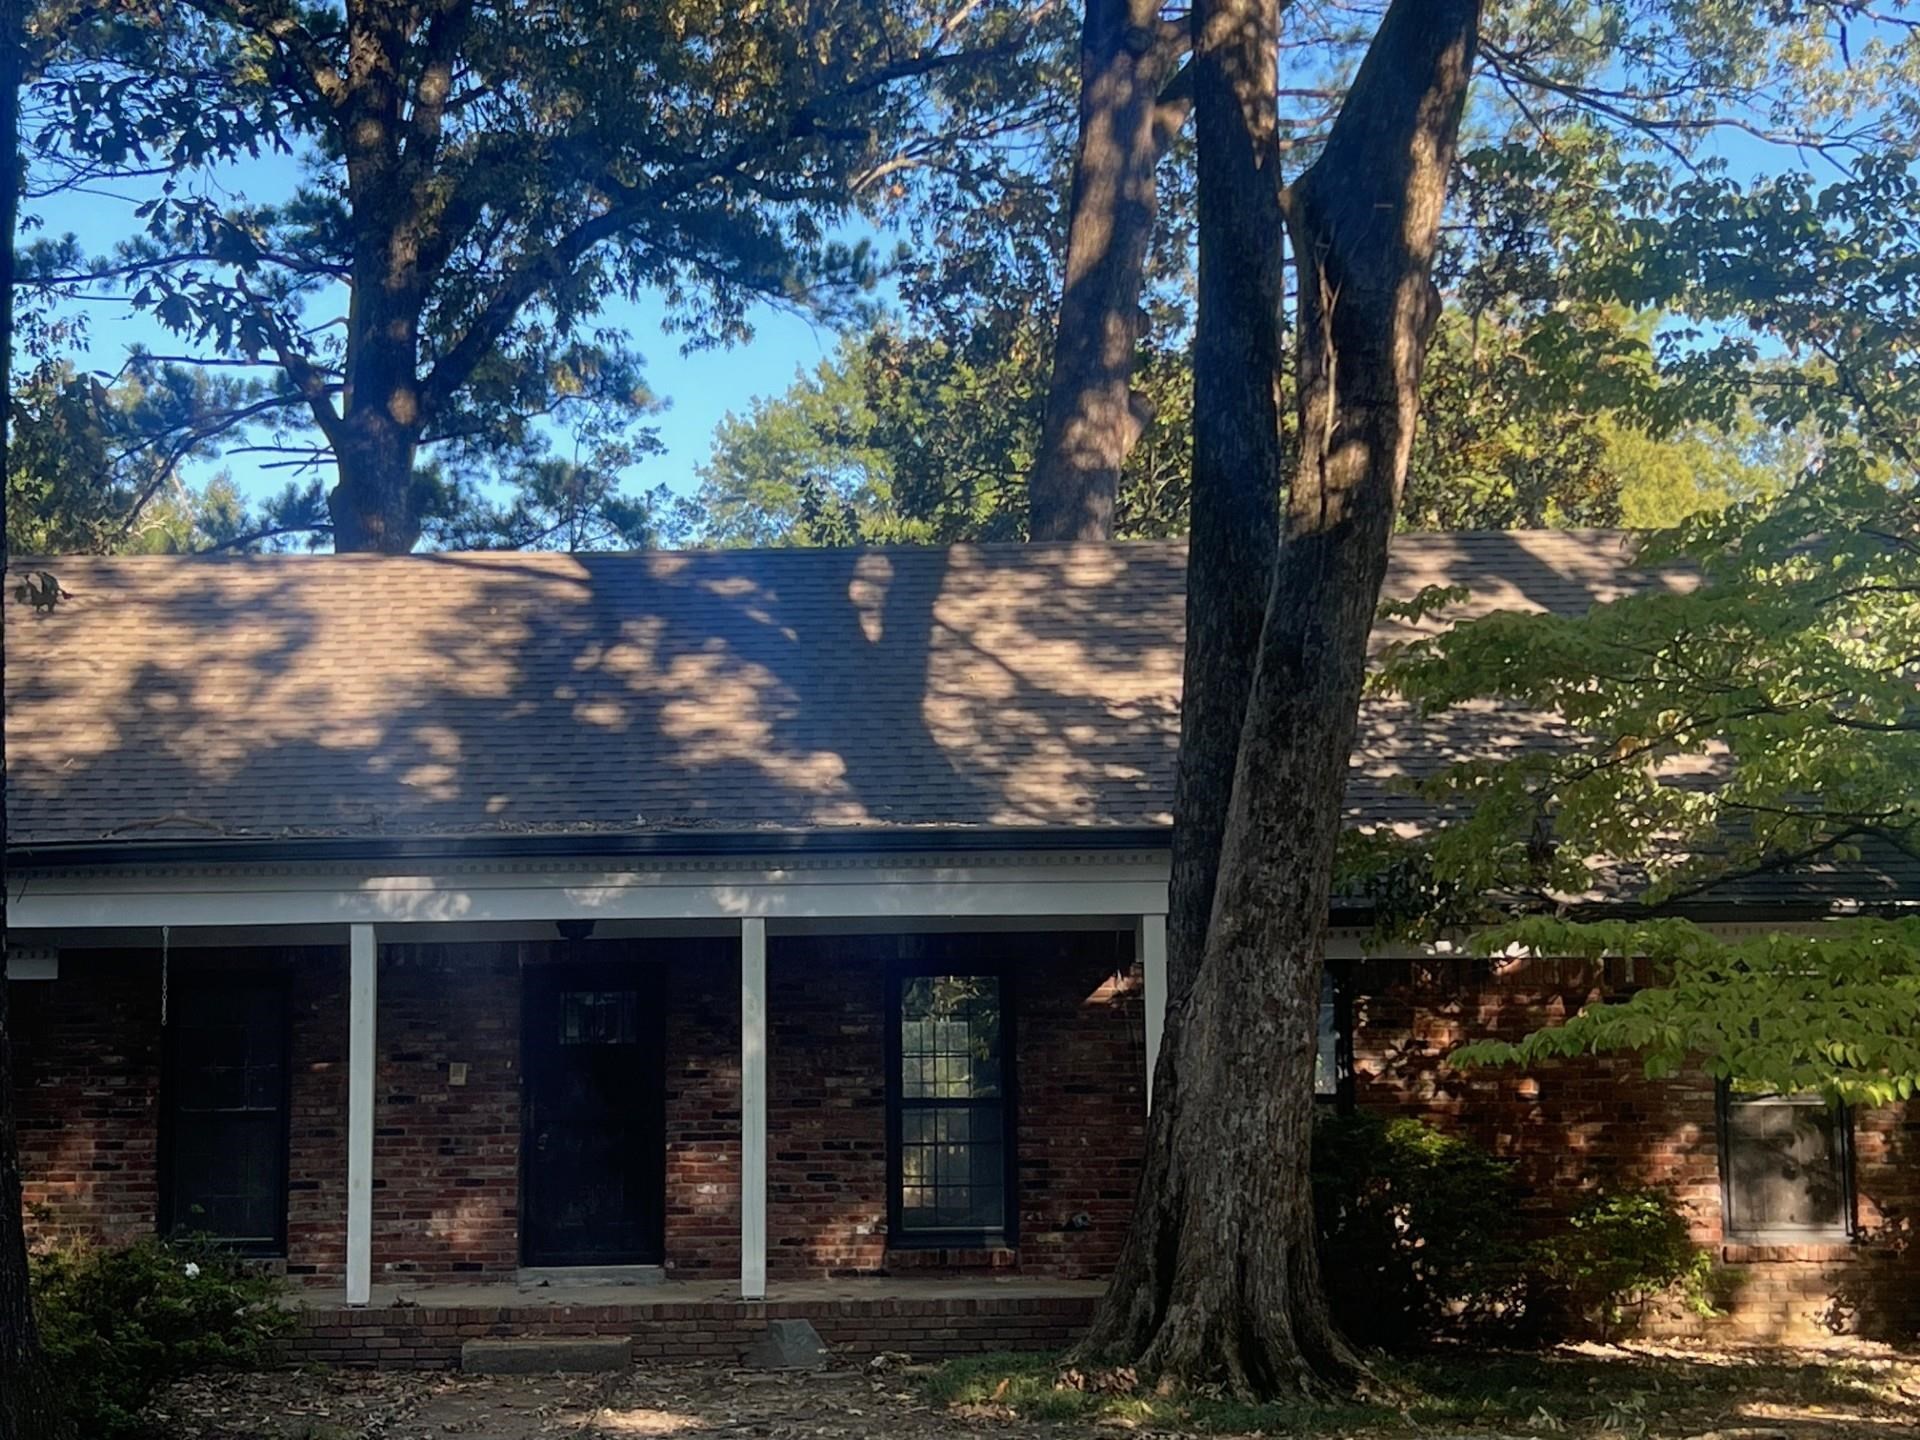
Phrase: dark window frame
x=182 y=987
x=947 y=960
x=1731 y=1231
x=1341 y=1097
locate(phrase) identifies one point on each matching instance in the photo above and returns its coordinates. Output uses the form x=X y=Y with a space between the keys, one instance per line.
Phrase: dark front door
x=224 y=1159
x=595 y=1144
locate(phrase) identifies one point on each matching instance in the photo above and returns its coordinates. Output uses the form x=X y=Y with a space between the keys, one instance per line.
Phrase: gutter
x=591 y=845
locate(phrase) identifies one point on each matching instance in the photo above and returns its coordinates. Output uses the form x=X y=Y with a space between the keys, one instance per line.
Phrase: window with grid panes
x=950 y=1091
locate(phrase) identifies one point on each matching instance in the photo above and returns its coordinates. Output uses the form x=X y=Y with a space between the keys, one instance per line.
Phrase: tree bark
x=1234 y=523
x=377 y=435
x=1094 y=417
x=372 y=503
x=29 y=1409
x=1218 y=1279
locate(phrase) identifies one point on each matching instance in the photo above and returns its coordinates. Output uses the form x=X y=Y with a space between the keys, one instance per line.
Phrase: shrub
x=120 y=1324
x=1619 y=1250
x=1417 y=1231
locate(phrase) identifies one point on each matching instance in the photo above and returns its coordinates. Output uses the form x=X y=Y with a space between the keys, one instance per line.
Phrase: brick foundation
x=422 y=1338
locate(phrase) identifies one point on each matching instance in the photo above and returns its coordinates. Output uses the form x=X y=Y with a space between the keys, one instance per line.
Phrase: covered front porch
x=418 y=1153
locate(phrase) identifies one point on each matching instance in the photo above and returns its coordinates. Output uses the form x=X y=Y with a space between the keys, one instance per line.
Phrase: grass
x=1625 y=1394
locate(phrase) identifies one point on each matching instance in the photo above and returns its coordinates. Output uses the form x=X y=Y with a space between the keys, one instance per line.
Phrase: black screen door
x=595 y=1143
x=226 y=1118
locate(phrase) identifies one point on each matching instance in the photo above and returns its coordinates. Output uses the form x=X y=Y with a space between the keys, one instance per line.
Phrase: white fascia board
x=842 y=888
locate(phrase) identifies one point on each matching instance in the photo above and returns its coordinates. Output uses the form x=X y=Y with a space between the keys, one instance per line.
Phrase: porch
x=412 y=1138
x=424 y=1327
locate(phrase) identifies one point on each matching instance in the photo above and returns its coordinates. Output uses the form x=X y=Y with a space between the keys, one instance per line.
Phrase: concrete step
x=574 y=1355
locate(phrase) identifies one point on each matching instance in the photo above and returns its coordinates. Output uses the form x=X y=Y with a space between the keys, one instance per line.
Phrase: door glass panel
x=597 y=1017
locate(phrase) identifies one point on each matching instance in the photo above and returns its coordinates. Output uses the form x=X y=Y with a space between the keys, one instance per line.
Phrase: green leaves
x=1746 y=727
x=1832 y=1007
x=1753 y=707
x=488 y=190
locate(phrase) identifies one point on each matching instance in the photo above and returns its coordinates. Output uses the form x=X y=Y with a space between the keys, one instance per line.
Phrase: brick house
x=491 y=933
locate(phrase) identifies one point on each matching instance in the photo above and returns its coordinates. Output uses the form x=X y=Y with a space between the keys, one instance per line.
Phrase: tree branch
x=278 y=23
x=270 y=532
x=630 y=204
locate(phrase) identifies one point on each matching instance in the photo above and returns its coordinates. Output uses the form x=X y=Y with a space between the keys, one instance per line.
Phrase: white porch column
x=361 y=995
x=753 y=1108
x=1150 y=947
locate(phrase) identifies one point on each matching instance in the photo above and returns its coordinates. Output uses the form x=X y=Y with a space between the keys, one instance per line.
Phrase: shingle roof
x=991 y=686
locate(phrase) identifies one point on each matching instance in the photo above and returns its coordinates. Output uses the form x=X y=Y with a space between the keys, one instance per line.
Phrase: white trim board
x=1035 y=886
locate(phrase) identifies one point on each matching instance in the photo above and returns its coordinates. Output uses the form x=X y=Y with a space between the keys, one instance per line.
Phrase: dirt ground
x=1611 y=1393
x=681 y=1400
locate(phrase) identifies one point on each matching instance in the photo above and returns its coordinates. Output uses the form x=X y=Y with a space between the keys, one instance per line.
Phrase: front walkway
x=423 y=1327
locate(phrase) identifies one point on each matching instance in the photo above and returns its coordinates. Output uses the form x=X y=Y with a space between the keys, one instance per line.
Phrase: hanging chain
x=166 y=945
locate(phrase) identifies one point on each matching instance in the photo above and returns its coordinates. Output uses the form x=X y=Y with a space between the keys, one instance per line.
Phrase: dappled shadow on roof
x=473 y=693
x=992 y=686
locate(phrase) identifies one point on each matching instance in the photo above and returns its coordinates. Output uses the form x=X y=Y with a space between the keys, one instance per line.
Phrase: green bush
x=1618 y=1251
x=1417 y=1230
x=120 y=1324
x=1422 y=1235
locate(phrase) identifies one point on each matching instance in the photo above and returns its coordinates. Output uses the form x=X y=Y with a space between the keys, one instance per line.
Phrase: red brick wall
x=87 y=1077
x=827 y=1106
x=1083 y=1097
x=1601 y=1121
x=702 y=995
x=447 y=1157
x=317 y=1119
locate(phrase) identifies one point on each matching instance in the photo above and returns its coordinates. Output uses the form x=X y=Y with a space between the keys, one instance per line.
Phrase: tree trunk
x=1093 y=416
x=1234 y=522
x=375 y=505
x=28 y=1407
x=1219 y=1279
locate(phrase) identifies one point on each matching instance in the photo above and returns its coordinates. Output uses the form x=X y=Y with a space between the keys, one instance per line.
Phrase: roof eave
x=594 y=845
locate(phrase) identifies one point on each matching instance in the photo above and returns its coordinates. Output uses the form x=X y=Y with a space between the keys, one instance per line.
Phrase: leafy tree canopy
x=1553 y=389
x=1754 y=716
x=477 y=183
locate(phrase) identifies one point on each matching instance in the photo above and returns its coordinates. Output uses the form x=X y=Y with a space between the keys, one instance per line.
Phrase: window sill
x=1778 y=1248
